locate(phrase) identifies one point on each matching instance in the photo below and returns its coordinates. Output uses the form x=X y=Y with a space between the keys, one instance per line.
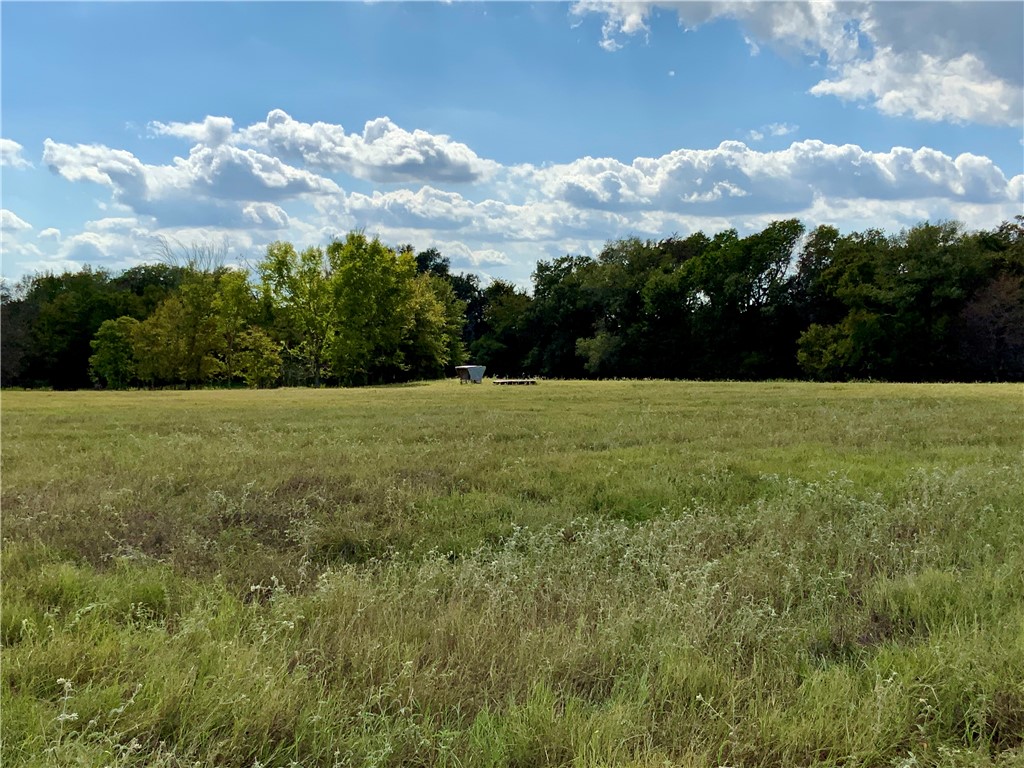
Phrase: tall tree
x=112 y=363
x=373 y=294
x=143 y=287
x=433 y=342
x=299 y=286
x=563 y=311
x=503 y=342
x=236 y=306
x=63 y=313
x=259 y=359
x=180 y=341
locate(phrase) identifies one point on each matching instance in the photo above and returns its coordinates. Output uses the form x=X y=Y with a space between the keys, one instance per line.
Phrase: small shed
x=473 y=374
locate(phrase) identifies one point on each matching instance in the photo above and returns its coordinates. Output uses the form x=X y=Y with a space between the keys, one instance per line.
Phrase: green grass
x=573 y=574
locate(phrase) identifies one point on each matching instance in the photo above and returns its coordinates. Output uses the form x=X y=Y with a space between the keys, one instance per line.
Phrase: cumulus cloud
x=118 y=243
x=10 y=154
x=492 y=220
x=802 y=26
x=467 y=257
x=12 y=247
x=383 y=152
x=957 y=62
x=735 y=178
x=93 y=248
x=214 y=185
x=426 y=207
x=266 y=215
x=11 y=222
x=595 y=199
x=259 y=185
x=928 y=88
x=989 y=30
x=213 y=131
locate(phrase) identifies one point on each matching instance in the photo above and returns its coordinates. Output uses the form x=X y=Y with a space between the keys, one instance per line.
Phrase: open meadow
x=572 y=574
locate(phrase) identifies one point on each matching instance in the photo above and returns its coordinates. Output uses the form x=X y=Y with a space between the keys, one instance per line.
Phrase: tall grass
x=576 y=574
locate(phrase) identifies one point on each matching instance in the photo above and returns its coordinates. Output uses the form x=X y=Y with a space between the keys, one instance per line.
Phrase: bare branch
x=197 y=256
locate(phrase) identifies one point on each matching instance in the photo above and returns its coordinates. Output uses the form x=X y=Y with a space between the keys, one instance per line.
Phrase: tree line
x=932 y=303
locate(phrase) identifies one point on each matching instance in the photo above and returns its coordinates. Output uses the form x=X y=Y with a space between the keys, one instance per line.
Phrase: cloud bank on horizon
x=283 y=178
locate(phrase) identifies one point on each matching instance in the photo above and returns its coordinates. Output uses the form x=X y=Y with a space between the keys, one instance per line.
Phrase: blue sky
x=501 y=133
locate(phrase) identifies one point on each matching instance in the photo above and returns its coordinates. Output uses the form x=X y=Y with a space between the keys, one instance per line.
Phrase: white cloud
x=488 y=220
x=957 y=62
x=781 y=129
x=12 y=248
x=989 y=30
x=464 y=256
x=772 y=129
x=488 y=257
x=212 y=132
x=802 y=26
x=10 y=154
x=98 y=248
x=213 y=185
x=625 y=18
x=383 y=152
x=120 y=243
x=11 y=222
x=735 y=179
x=928 y=88
x=112 y=223
x=115 y=242
x=522 y=212
x=266 y=215
x=49 y=232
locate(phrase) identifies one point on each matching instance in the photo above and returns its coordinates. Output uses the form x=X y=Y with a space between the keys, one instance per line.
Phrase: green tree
x=16 y=318
x=624 y=338
x=180 y=341
x=197 y=331
x=741 y=302
x=374 y=295
x=53 y=319
x=503 y=342
x=434 y=340
x=112 y=363
x=236 y=306
x=299 y=286
x=259 y=359
x=563 y=311
x=154 y=345
x=143 y=287
x=903 y=296
x=813 y=297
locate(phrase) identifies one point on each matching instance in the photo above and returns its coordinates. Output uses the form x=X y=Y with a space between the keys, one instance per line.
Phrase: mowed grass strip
x=585 y=574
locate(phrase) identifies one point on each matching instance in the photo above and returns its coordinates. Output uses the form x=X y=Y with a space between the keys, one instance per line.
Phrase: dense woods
x=932 y=303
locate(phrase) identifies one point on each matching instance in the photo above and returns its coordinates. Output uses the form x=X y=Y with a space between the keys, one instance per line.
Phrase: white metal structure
x=474 y=374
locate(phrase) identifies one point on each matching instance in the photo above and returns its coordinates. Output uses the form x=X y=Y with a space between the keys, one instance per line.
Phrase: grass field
x=573 y=574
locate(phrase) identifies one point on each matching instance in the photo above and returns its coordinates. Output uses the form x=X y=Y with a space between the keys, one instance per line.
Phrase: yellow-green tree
x=299 y=288
x=259 y=359
x=374 y=292
x=235 y=306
